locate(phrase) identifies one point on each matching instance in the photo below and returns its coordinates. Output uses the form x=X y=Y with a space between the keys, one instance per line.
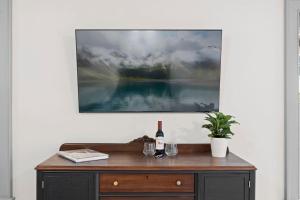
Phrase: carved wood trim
x=135 y=145
x=143 y=139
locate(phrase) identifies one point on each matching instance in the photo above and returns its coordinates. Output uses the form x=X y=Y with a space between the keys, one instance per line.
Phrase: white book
x=83 y=155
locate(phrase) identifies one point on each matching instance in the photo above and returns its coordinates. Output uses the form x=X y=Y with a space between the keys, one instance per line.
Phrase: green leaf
x=219 y=125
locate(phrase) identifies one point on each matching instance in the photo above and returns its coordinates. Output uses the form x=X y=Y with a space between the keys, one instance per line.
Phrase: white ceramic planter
x=219 y=147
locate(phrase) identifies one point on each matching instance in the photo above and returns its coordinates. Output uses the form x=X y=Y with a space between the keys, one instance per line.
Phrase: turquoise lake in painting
x=148 y=71
x=147 y=96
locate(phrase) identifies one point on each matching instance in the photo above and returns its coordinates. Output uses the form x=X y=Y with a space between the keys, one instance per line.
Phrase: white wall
x=45 y=110
x=5 y=100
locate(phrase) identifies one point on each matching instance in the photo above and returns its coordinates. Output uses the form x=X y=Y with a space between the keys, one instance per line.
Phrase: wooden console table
x=128 y=175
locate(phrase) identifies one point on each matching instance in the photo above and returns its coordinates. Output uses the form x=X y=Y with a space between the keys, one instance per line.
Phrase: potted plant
x=219 y=126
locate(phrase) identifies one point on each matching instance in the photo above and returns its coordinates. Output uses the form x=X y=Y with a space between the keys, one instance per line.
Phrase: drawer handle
x=116 y=183
x=178 y=183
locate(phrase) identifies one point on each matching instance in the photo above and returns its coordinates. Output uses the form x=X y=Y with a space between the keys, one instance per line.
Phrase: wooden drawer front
x=147 y=183
x=147 y=198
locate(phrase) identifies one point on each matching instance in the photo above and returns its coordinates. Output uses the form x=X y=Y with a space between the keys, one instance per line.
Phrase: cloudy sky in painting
x=150 y=47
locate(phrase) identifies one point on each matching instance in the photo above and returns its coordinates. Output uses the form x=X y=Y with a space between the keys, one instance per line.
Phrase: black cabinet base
x=209 y=185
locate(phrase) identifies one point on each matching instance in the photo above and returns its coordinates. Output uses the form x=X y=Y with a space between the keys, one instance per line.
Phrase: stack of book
x=83 y=155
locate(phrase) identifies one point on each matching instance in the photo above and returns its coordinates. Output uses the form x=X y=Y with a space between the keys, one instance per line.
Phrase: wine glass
x=149 y=149
x=171 y=149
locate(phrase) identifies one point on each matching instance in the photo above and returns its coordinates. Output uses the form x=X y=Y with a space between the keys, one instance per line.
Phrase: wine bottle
x=160 y=145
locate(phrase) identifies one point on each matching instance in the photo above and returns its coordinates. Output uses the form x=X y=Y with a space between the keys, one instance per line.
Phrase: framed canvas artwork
x=148 y=70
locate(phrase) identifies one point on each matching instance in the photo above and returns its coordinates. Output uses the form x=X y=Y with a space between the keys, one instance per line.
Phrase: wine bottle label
x=160 y=145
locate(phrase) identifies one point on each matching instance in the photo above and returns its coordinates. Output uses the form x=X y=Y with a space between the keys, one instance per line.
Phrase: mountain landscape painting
x=148 y=70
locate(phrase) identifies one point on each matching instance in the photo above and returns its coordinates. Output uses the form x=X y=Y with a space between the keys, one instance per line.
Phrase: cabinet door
x=66 y=186
x=223 y=186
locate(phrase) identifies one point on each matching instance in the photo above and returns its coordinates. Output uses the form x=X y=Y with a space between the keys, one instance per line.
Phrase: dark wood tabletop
x=133 y=161
x=191 y=157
